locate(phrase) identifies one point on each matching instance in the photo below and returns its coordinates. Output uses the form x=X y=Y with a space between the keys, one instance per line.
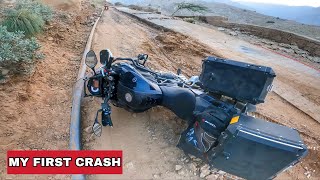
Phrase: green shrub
x=190 y=20
x=17 y=53
x=28 y=16
x=36 y=7
x=190 y=7
x=23 y=20
x=97 y=3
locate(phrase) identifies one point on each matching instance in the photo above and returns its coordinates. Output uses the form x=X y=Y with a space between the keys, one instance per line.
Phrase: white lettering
x=98 y=162
x=67 y=160
x=106 y=162
x=116 y=161
x=24 y=161
x=89 y=162
x=58 y=162
x=15 y=162
x=79 y=162
x=36 y=161
x=49 y=162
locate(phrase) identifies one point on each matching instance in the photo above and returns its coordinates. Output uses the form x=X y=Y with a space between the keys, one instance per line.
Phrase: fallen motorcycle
x=215 y=104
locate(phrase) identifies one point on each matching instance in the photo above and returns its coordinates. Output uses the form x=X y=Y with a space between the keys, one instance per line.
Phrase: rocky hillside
x=236 y=15
x=302 y=14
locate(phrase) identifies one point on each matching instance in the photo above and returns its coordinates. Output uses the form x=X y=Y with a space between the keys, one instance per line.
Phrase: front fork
x=105 y=114
x=96 y=88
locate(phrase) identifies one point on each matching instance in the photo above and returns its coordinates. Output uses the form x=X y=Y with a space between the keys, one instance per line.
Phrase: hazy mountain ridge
x=302 y=14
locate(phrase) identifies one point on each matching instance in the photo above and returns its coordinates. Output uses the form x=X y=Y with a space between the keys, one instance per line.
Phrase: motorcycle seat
x=179 y=100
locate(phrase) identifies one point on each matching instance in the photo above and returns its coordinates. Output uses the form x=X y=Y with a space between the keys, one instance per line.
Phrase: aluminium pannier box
x=255 y=149
x=244 y=82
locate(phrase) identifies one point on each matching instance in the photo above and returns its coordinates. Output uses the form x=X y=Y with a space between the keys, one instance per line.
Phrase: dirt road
x=148 y=139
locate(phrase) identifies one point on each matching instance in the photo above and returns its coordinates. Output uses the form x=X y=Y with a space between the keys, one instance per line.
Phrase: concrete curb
x=75 y=123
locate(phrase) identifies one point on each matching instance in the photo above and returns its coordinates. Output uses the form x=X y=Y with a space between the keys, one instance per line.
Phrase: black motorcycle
x=215 y=104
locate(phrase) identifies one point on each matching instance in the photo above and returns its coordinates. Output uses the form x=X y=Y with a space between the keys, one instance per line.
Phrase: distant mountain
x=302 y=14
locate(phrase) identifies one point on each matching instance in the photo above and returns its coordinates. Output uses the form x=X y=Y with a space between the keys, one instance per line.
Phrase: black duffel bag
x=202 y=135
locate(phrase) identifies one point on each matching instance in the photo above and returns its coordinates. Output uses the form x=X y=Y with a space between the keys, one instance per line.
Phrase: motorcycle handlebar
x=135 y=64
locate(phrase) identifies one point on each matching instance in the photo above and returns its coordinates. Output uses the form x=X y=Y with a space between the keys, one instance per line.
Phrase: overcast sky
x=314 y=3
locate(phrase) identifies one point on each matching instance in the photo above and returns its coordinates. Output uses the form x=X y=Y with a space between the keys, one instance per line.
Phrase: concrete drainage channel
x=75 y=124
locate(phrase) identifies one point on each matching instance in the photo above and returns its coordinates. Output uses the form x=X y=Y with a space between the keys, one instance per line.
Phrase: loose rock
x=50 y=38
x=212 y=177
x=4 y=72
x=182 y=173
x=221 y=172
x=88 y=129
x=178 y=167
x=129 y=165
x=193 y=167
x=204 y=173
x=196 y=159
x=205 y=167
x=233 y=33
x=156 y=176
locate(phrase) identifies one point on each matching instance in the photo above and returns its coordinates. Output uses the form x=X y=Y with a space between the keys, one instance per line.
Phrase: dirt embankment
x=67 y=5
x=312 y=46
x=35 y=110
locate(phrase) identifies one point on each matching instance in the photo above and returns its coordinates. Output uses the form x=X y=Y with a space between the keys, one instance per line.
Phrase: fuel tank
x=134 y=91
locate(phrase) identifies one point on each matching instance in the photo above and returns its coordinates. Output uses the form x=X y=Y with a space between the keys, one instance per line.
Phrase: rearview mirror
x=91 y=59
x=105 y=56
x=97 y=129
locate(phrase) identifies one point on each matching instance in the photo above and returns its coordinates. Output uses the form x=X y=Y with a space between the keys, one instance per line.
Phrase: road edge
x=75 y=120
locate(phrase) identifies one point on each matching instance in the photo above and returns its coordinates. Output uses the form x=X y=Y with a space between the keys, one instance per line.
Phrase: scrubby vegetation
x=190 y=7
x=27 y=16
x=23 y=20
x=18 y=46
x=17 y=52
x=143 y=8
x=190 y=20
x=36 y=7
x=97 y=3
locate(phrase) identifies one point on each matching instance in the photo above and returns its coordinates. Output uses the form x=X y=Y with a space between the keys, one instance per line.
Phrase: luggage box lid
x=267 y=70
x=267 y=128
x=239 y=80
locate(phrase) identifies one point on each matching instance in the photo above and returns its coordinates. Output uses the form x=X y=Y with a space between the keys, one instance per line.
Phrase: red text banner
x=64 y=162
